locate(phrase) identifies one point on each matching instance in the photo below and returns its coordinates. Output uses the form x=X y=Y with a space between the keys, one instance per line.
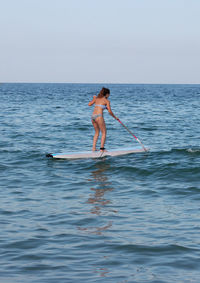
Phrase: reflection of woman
x=101 y=185
x=101 y=102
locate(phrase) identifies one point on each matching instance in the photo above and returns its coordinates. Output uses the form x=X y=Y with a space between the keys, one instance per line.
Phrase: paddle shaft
x=132 y=134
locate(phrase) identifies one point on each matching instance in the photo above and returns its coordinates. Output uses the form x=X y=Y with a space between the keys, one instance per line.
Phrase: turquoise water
x=132 y=218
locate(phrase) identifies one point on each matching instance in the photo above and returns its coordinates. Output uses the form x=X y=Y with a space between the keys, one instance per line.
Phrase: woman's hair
x=103 y=92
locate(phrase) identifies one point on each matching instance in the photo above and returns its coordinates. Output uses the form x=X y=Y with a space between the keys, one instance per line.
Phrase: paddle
x=132 y=134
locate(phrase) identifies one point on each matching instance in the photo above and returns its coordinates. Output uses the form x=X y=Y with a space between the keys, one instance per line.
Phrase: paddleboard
x=95 y=154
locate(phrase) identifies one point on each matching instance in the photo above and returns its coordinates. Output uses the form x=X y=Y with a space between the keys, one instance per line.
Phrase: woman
x=101 y=102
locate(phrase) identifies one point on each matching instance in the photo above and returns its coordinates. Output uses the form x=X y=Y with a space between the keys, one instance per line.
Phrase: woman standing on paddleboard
x=101 y=102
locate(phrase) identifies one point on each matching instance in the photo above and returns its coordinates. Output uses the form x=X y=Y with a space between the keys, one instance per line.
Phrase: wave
x=191 y=150
x=186 y=150
x=165 y=249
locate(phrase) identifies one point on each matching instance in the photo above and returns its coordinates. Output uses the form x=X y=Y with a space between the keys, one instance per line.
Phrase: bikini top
x=101 y=105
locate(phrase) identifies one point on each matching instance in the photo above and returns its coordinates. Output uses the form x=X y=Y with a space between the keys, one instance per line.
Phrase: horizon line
x=100 y=83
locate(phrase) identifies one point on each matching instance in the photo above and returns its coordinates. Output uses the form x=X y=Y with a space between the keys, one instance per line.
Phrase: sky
x=93 y=41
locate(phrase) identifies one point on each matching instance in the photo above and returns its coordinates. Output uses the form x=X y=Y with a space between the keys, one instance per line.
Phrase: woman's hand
x=93 y=101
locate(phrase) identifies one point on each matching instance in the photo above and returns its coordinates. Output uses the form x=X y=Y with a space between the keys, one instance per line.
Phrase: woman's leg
x=96 y=135
x=102 y=126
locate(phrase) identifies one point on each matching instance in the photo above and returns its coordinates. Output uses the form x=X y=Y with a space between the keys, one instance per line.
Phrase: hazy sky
x=100 y=41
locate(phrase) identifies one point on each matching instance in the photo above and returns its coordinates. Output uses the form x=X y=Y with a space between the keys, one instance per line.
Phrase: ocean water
x=132 y=218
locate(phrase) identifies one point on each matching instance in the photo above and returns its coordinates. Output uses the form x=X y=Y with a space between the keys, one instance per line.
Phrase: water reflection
x=100 y=204
x=96 y=230
x=102 y=271
x=101 y=209
x=102 y=185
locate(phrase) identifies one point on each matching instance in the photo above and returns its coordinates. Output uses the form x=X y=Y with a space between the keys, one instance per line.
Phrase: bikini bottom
x=95 y=116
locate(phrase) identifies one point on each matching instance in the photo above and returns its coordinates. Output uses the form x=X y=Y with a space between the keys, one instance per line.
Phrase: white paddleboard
x=95 y=154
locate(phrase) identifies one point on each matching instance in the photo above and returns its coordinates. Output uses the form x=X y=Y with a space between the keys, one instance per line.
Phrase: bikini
x=101 y=105
x=95 y=116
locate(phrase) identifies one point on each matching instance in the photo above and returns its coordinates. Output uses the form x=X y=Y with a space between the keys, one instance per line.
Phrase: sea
x=132 y=218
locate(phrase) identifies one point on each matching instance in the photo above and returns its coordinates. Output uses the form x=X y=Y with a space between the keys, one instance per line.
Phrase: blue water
x=132 y=218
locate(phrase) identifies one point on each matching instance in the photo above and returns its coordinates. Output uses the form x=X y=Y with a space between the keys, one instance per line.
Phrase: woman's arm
x=109 y=110
x=92 y=101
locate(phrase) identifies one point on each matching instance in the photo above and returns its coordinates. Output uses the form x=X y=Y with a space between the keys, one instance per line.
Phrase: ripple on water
x=132 y=218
